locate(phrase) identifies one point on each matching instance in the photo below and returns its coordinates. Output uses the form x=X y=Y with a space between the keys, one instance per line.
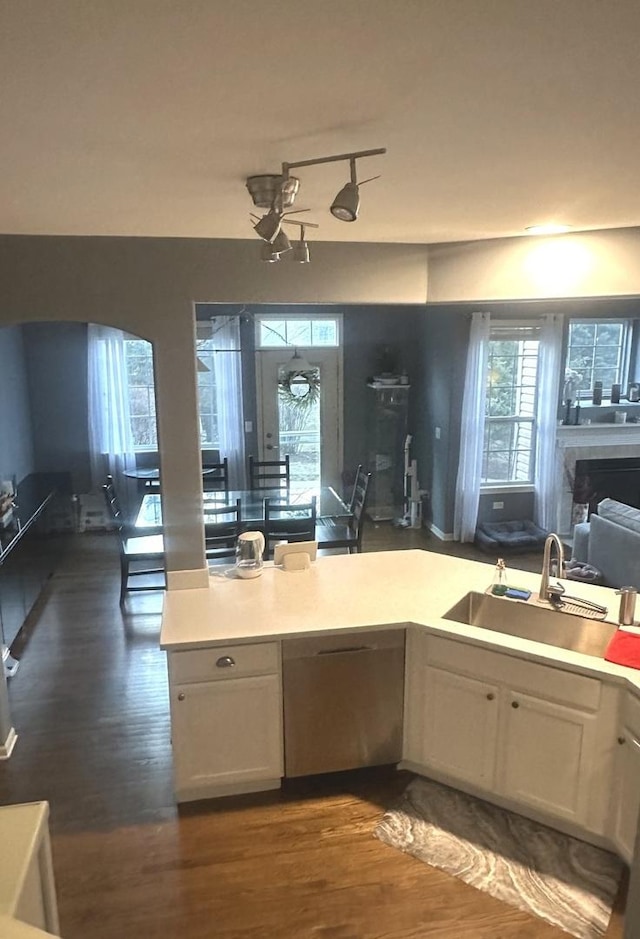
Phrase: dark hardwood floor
x=89 y=702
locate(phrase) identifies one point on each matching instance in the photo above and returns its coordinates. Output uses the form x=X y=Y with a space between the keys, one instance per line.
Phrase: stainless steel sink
x=528 y=621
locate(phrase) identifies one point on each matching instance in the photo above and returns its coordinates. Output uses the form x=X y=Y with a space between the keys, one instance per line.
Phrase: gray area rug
x=564 y=881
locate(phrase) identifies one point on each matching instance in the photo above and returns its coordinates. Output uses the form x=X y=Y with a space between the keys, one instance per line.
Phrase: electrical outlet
x=498 y=505
x=248 y=427
x=437 y=433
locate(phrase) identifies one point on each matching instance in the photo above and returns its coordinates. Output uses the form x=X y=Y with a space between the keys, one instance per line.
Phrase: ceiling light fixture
x=277 y=192
x=346 y=204
x=301 y=249
x=268 y=226
x=268 y=254
x=271 y=251
x=298 y=363
x=280 y=243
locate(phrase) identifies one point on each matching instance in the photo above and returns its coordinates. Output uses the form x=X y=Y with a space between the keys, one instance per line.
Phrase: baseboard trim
x=213 y=791
x=440 y=535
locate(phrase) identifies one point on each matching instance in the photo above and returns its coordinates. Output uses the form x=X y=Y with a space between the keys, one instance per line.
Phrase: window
x=207 y=400
x=142 y=399
x=598 y=350
x=273 y=332
x=509 y=430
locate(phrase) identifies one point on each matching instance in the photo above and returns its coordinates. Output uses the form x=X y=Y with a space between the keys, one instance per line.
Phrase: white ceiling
x=144 y=117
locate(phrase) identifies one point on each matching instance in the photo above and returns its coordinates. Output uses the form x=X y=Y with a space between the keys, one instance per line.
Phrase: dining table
x=329 y=505
x=149 y=476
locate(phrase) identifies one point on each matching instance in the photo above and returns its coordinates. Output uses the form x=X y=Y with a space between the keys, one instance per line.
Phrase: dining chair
x=341 y=533
x=222 y=526
x=285 y=521
x=215 y=476
x=357 y=481
x=140 y=555
x=269 y=474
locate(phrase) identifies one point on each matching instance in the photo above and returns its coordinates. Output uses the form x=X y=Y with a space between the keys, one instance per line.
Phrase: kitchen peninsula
x=548 y=732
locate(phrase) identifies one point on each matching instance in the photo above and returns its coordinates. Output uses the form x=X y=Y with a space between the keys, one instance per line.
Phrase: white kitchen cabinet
x=626 y=803
x=513 y=728
x=545 y=750
x=226 y=721
x=458 y=720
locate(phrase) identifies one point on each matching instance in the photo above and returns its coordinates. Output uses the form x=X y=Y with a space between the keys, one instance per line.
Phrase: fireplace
x=598 y=479
x=577 y=446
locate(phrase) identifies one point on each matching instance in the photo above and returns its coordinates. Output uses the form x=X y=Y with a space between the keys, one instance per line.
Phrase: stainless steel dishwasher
x=343 y=701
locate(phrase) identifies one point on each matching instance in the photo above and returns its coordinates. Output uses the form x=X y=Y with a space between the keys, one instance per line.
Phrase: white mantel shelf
x=597 y=435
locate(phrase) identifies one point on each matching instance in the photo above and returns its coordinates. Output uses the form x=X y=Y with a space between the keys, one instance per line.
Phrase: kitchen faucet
x=549 y=592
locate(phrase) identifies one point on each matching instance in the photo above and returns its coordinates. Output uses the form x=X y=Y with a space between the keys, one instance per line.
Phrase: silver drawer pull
x=225 y=661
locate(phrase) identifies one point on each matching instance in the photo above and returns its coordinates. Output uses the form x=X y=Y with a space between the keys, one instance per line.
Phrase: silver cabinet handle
x=225 y=661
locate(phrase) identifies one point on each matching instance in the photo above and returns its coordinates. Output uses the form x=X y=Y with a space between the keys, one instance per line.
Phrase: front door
x=300 y=414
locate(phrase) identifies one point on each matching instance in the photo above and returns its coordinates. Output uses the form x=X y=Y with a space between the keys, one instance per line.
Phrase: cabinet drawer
x=554 y=684
x=223 y=662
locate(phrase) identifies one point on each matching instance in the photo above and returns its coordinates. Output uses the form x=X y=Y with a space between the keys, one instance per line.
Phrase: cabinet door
x=544 y=749
x=627 y=796
x=459 y=723
x=226 y=732
x=12 y=600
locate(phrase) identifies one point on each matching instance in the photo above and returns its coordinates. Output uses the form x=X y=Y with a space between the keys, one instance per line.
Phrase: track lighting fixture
x=271 y=251
x=280 y=243
x=268 y=254
x=301 y=248
x=346 y=204
x=269 y=225
x=277 y=192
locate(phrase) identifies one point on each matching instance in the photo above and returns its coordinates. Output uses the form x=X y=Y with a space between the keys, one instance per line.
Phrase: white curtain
x=228 y=375
x=547 y=484
x=467 y=497
x=110 y=436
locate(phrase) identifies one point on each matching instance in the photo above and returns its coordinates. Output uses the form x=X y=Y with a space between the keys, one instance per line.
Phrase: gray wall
x=441 y=340
x=57 y=370
x=57 y=373
x=16 y=448
x=148 y=287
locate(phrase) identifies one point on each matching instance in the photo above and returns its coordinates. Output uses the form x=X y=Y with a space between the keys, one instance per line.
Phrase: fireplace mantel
x=587 y=442
x=598 y=435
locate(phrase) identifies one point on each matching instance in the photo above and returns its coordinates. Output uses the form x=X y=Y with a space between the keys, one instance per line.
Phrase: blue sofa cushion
x=620 y=513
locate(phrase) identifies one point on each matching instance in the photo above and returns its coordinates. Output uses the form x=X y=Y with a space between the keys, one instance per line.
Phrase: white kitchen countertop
x=22 y=828
x=364 y=591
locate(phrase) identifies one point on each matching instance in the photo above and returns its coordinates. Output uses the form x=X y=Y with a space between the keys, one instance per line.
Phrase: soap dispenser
x=499 y=585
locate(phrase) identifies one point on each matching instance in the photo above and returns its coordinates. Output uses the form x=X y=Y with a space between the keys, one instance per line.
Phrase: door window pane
x=299 y=422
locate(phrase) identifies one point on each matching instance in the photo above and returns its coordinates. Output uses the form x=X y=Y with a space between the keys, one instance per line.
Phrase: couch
x=610 y=542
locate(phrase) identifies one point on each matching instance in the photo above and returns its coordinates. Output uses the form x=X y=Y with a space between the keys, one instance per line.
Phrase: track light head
x=267 y=253
x=346 y=204
x=269 y=225
x=301 y=249
x=301 y=252
x=280 y=243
